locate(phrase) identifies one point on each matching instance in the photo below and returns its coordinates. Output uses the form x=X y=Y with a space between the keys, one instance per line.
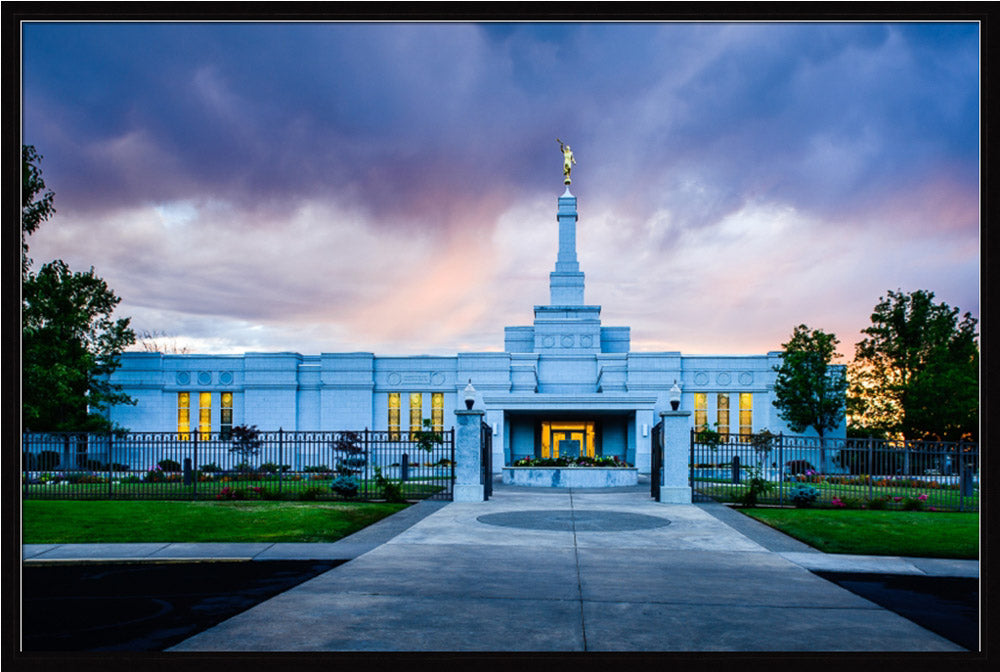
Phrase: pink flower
x=897 y=499
x=922 y=497
x=931 y=508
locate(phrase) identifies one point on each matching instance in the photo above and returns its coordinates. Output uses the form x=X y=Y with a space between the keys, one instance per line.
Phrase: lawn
x=312 y=488
x=69 y=522
x=900 y=533
x=947 y=499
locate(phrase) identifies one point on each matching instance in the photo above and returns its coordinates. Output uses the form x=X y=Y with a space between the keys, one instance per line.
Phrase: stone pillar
x=468 y=456
x=674 y=488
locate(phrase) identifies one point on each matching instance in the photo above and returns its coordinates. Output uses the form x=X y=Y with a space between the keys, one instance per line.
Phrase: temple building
x=564 y=385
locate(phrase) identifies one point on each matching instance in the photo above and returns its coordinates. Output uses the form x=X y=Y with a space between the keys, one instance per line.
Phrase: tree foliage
x=36 y=203
x=809 y=389
x=70 y=342
x=916 y=373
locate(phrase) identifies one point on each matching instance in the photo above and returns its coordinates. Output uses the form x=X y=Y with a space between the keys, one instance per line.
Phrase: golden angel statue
x=568 y=160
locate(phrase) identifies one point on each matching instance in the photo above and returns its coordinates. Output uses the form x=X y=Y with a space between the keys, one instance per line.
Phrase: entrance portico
x=590 y=424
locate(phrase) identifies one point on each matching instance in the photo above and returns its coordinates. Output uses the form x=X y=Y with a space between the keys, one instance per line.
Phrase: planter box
x=571 y=477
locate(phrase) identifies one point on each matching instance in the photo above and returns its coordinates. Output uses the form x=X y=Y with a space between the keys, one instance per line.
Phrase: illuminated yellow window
x=226 y=416
x=394 y=416
x=183 y=416
x=722 y=415
x=204 y=414
x=700 y=411
x=437 y=411
x=746 y=415
x=416 y=411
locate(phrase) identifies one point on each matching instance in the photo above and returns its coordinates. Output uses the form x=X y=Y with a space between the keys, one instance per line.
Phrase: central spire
x=566 y=282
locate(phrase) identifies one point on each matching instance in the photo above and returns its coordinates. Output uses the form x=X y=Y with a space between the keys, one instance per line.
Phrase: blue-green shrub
x=345 y=486
x=803 y=495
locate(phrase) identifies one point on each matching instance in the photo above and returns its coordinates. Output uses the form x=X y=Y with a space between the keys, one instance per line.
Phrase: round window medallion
x=723 y=379
x=393 y=379
x=437 y=378
x=586 y=341
x=746 y=378
x=183 y=378
x=701 y=378
x=567 y=341
x=548 y=341
x=204 y=378
x=226 y=377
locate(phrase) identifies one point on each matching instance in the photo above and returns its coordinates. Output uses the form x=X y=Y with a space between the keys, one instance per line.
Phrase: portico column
x=674 y=488
x=468 y=456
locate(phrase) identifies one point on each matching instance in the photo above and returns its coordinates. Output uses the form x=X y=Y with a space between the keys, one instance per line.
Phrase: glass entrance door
x=567 y=439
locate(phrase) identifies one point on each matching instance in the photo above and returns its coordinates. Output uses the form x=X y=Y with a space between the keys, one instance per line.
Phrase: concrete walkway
x=550 y=570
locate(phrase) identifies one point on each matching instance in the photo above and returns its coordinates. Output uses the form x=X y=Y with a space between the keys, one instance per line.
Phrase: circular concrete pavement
x=574 y=521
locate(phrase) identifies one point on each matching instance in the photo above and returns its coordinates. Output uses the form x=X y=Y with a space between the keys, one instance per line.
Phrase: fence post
x=871 y=468
x=111 y=443
x=195 y=465
x=781 y=469
x=281 y=455
x=367 y=477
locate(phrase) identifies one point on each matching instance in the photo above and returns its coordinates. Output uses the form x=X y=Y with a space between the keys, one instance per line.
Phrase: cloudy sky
x=391 y=187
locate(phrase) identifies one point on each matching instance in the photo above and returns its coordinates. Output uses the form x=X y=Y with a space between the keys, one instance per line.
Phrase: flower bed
x=598 y=461
x=579 y=472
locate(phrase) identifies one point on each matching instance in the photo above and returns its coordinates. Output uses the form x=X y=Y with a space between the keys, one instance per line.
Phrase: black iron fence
x=269 y=465
x=849 y=473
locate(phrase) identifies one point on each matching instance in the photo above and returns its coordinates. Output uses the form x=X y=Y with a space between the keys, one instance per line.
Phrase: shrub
x=878 y=503
x=264 y=493
x=92 y=478
x=757 y=485
x=211 y=468
x=799 y=467
x=315 y=469
x=311 y=494
x=803 y=496
x=169 y=465
x=231 y=493
x=155 y=476
x=43 y=461
x=915 y=503
x=345 y=486
x=391 y=492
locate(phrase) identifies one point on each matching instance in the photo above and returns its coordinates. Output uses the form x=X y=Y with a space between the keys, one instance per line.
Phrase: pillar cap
x=474 y=411
x=674 y=414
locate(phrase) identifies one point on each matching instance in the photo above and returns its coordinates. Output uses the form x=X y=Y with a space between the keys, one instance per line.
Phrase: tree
x=71 y=345
x=809 y=390
x=36 y=202
x=159 y=341
x=246 y=444
x=916 y=374
x=70 y=342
